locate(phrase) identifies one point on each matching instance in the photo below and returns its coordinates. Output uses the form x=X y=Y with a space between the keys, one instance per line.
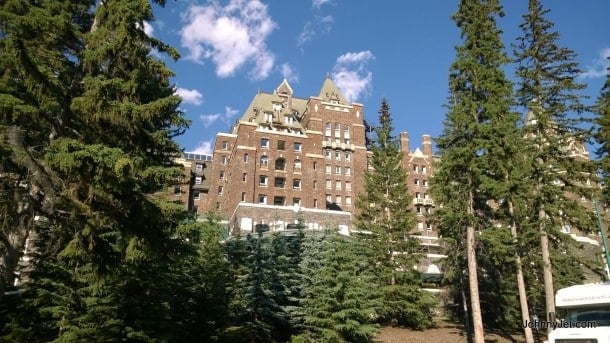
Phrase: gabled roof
x=330 y=92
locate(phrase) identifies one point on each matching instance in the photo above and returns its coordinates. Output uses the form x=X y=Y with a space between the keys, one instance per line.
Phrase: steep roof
x=330 y=92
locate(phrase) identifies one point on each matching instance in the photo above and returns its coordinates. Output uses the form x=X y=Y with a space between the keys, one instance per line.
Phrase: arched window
x=264 y=161
x=280 y=164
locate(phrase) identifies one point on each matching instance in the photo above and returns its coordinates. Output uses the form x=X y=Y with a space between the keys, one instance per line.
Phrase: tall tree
x=384 y=216
x=39 y=47
x=478 y=123
x=548 y=89
x=602 y=135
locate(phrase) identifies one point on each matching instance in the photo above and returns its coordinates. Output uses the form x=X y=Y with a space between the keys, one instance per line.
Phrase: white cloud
x=209 y=119
x=351 y=74
x=149 y=29
x=189 y=96
x=599 y=68
x=204 y=148
x=230 y=36
x=320 y=24
x=288 y=73
x=319 y=3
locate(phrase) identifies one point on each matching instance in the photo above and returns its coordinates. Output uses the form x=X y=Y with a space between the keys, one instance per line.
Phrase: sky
x=400 y=50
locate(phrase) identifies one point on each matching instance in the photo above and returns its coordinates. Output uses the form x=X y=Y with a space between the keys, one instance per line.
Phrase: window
x=225 y=145
x=296 y=201
x=315 y=203
x=280 y=164
x=329 y=184
x=177 y=190
x=221 y=175
x=327 y=138
x=348 y=157
x=327 y=126
x=338 y=155
x=243 y=196
x=338 y=199
x=337 y=170
x=416 y=182
x=262 y=180
x=315 y=165
x=346 y=131
x=327 y=153
x=418 y=209
x=218 y=206
x=328 y=169
x=264 y=143
x=424 y=170
x=281 y=145
x=220 y=190
x=264 y=162
x=416 y=168
x=279 y=182
x=196 y=195
x=346 y=141
x=296 y=183
x=244 y=177
x=425 y=182
x=279 y=201
x=348 y=171
x=329 y=198
x=262 y=198
x=288 y=119
x=428 y=226
x=198 y=180
x=338 y=185
x=246 y=158
x=337 y=129
x=348 y=186
x=420 y=226
x=224 y=159
x=297 y=165
x=297 y=147
x=348 y=200
x=199 y=167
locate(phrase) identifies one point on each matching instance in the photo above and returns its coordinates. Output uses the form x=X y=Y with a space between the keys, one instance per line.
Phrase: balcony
x=418 y=201
x=428 y=202
x=325 y=144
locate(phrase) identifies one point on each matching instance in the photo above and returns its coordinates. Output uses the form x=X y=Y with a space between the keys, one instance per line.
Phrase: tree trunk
x=473 y=281
x=549 y=293
x=525 y=313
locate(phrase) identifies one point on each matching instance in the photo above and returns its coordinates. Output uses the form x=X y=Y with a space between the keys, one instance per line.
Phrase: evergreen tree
x=477 y=126
x=602 y=135
x=386 y=222
x=340 y=298
x=548 y=89
x=256 y=315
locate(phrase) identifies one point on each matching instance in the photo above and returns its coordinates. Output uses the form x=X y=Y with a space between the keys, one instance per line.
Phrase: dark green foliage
x=340 y=301
x=385 y=222
x=478 y=142
x=602 y=135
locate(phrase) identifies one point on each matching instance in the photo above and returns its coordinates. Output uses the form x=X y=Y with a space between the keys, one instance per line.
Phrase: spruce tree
x=548 y=90
x=341 y=299
x=602 y=135
x=385 y=221
x=473 y=137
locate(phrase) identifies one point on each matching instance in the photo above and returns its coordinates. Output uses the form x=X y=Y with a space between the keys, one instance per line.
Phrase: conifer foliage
x=477 y=132
x=548 y=89
x=385 y=222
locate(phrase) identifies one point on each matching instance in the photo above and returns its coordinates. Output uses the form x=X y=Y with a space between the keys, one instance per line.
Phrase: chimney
x=427 y=145
x=404 y=142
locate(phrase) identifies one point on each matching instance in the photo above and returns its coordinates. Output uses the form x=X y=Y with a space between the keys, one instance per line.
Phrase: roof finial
x=327 y=75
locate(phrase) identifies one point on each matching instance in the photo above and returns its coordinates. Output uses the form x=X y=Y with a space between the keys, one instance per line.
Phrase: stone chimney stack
x=427 y=145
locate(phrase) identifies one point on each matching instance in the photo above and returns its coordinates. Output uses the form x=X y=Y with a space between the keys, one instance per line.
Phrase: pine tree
x=473 y=136
x=548 y=89
x=340 y=298
x=386 y=222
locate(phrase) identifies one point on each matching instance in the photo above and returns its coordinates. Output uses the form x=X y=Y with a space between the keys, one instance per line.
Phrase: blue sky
x=400 y=50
